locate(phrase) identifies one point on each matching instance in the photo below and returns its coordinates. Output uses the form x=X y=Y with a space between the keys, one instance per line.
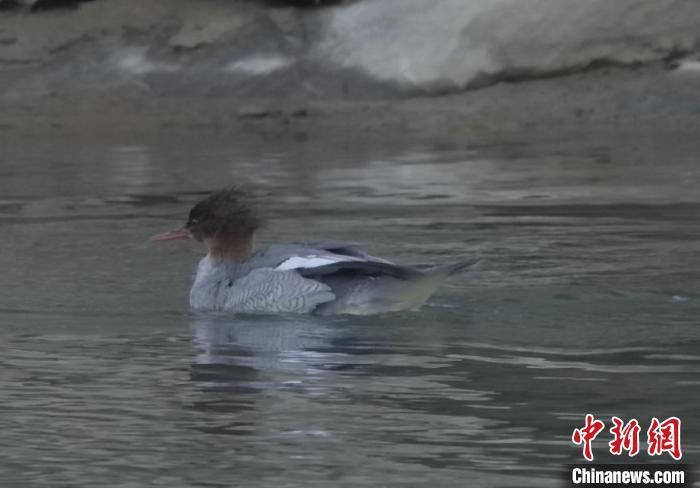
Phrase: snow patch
x=134 y=61
x=689 y=66
x=259 y=65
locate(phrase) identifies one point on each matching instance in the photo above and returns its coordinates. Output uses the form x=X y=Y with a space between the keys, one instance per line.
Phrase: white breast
x=204 y=294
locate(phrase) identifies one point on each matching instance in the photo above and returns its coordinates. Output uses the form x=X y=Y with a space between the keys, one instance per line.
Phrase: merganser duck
x=323 y=278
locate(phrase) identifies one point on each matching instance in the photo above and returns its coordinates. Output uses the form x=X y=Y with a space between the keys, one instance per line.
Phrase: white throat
x=205 y=293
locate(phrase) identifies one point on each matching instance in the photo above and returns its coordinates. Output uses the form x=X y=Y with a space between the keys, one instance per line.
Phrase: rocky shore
x=135 y=67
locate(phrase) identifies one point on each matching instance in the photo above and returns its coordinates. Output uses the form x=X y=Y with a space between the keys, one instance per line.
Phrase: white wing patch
x=313 y=261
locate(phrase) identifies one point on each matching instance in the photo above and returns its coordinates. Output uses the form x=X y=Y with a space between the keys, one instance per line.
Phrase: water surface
x=587 y=302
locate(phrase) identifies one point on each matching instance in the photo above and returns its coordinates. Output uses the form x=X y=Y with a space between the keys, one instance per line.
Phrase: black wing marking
x=369 y=268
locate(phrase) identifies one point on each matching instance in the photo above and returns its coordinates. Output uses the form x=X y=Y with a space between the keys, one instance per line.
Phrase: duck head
x=224 y=222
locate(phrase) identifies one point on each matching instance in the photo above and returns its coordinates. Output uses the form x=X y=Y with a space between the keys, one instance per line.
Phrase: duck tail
x=422 y=288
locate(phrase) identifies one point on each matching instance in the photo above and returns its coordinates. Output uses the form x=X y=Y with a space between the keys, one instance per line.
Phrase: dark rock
x=300 y=112
x=257 y=112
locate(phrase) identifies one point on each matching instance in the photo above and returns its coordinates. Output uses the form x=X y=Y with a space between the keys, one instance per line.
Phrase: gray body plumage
x=314 y=277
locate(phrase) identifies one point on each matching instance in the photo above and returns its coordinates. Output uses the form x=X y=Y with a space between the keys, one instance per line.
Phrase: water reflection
x=397 y=386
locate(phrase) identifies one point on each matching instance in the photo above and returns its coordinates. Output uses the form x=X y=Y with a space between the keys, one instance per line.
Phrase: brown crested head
x=226 y=215
x=224 y=222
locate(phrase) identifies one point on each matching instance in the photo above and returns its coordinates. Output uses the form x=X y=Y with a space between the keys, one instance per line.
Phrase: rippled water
x=587 y=302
